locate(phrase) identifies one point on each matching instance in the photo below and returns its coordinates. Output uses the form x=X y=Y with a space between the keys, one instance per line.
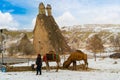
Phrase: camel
x=51 y=57
x=76 y=56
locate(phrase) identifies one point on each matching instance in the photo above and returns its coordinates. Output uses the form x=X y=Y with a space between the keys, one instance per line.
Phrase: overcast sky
x=21 y=14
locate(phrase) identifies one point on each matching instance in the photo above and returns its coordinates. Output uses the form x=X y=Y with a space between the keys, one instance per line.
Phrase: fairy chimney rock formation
x=47 y=35
x=41 y=8
x=48 y=8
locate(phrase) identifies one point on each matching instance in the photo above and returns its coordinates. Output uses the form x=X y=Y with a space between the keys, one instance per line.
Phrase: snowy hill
x=78 y=34
x=94 y=27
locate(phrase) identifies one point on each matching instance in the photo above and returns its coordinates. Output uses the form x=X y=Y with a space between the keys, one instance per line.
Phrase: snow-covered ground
x=61 y=75
x=103 y=69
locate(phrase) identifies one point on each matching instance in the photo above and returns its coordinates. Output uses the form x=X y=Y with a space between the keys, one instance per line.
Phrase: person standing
x=39 y=65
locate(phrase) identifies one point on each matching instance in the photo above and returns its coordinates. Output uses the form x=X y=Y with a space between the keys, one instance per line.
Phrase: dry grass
x=28 y=68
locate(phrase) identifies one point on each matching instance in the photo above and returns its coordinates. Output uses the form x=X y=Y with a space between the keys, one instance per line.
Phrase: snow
x=94 y=27
x=61 y=75
x=102 y=69
x=106 y=64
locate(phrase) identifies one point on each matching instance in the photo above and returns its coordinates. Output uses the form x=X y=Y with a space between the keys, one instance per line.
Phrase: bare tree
x=116 y=43
x=94 y=43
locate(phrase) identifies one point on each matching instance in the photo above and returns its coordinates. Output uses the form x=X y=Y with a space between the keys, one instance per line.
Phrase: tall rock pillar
x=48 y=8
x=41 y=8
x=47 y=35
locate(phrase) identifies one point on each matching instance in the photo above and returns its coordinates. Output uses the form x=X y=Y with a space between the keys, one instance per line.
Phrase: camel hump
x=81 y=54
x=79 y=51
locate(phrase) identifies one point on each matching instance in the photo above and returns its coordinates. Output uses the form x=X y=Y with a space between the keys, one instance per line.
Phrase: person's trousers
x=39 y=71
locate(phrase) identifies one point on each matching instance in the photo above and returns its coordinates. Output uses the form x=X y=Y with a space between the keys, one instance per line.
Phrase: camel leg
x=86 y=64
x=47 y=66
x=57 y=66
x=85 y=61
x=74 y=65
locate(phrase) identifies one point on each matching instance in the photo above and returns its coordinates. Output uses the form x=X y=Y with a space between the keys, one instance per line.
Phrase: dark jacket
x=39 y=62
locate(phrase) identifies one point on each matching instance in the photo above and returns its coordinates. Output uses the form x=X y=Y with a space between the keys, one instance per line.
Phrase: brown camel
x=51 y=57
x=76 y=56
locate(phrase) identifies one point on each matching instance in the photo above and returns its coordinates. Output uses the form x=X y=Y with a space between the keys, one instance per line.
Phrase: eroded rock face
x=48 y=8
x=24 y=45
x=47 y=35
x=42 y=9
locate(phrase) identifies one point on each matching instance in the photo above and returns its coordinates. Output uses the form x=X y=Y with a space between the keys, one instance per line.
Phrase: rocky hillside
x=10 y=42
x=75 y=36
x=78 y=34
